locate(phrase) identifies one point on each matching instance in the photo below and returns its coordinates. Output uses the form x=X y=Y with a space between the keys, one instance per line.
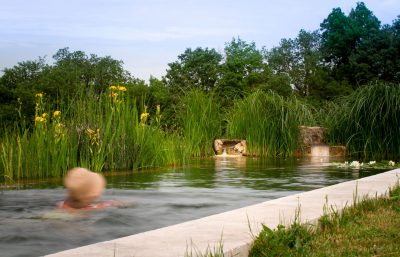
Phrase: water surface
x=30 y=225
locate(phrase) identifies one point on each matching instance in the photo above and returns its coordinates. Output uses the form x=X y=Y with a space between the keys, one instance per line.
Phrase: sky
x=148 y=34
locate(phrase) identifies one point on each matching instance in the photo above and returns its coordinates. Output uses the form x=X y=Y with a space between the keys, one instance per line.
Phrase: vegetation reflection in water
x=253 y=173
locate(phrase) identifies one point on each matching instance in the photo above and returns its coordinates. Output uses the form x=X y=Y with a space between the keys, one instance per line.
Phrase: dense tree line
x=345 y=53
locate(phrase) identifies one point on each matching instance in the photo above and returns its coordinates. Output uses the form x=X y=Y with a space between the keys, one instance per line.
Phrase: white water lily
x=372 y=162
x=356 y=164
x=391 y=163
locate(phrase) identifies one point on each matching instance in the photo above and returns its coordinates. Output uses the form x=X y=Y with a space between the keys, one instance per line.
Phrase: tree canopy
x=348 y=51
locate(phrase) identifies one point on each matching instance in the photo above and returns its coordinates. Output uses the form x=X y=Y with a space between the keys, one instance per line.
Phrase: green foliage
x=195 y=69
x=201 y=122
x=278 y=83
x=71 y=72
x=354 y=46
x=291 y=241
x=298 y=59
x=367 y=228
x=97 y=131
x=75 y=69
x=269 y=123
x=216 y=251
x=19 y=85
x=324 y=87
x=368 y=121
x=232 y=98
x=242 y=71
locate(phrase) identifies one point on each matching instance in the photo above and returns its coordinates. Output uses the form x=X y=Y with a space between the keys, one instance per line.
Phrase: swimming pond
x=30 y=225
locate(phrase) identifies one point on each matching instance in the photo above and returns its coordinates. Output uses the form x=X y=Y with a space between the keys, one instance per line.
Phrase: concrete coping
x=235 y=230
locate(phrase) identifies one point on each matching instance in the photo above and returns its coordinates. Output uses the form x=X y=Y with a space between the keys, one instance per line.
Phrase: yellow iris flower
x=56 y=114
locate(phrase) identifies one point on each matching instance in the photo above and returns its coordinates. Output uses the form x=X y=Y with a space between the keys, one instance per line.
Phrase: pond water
x=30 y=225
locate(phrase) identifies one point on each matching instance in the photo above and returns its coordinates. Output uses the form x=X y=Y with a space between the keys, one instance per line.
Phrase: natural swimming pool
x=29 y=226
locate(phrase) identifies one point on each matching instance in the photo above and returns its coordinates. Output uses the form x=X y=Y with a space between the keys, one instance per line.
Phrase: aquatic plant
x=368 y=122
x=97 y=131
x=200 y=120
x=269 y=122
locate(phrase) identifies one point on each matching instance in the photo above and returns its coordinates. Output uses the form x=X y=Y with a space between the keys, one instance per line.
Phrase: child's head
x=83 y=187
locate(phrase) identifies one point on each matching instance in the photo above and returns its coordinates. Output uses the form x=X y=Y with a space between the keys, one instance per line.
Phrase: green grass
x=368 y=122
x=106 y=132
x=99 y=132
x=215 y=251
x=369 y=228
x=269 y=123
x=200 y=121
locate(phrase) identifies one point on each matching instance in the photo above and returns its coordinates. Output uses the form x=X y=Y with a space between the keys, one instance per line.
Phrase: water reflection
x=222 y=163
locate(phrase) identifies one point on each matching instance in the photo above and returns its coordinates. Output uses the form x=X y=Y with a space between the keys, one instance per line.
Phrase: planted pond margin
x=111 y=131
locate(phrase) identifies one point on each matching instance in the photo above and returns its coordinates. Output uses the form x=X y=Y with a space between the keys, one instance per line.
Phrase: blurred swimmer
x=83 y=188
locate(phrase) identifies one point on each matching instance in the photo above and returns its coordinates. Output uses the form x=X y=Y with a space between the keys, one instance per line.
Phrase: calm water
x=30 y=225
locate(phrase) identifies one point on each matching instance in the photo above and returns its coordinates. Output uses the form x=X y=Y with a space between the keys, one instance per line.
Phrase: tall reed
x=368 y=121
x=201 y=122
x=269 y=122
x=97 y=131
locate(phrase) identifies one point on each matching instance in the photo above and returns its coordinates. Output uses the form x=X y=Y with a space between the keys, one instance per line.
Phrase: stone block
x=230 y=146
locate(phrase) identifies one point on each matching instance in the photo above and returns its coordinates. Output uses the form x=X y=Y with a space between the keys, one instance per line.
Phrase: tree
x=106 y=71
x=243 y=69
x=337 y=38
x=379 y=55
x=349 y=43
x=394 y=62
x=297 y=59
x=73 y=70
x=19 y=85
x=197 y=68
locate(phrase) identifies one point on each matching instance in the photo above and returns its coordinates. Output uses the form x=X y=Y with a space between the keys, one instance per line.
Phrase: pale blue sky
x=148 y=34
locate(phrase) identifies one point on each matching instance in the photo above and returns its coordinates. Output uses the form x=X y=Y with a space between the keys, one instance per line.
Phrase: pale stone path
x=234 y=228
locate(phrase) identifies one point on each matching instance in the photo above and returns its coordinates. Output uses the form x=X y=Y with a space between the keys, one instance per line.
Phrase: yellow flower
x=39 y=95
x=40 y=119
x=94 y=136
x=44 y=115
x=90 y=131
x=56 y=114
x=122 y=88
x=158 y=114
x=144 y=116
x=113 y=88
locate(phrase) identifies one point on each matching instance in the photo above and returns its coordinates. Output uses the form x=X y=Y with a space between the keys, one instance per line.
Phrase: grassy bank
x=369 y=228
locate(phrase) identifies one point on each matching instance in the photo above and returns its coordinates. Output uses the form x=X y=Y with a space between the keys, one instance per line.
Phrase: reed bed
x=368 y=122
x=97 y=131
x=269 y=122
x=200 y=120
x=106 y=132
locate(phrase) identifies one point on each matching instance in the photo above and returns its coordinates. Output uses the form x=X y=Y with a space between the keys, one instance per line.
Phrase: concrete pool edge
x=236 y=229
